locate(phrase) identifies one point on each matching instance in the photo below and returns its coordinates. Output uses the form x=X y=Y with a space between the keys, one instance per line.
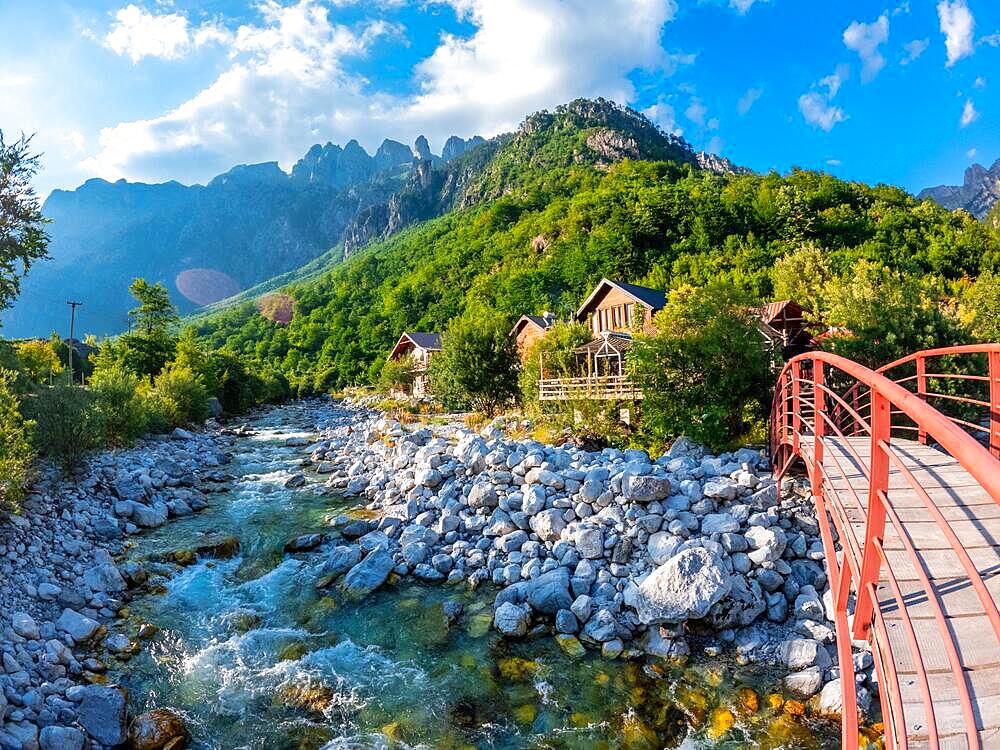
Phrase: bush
x=119 y=404
x=477 y=365
x=704 y=365
x=982 y=307
x=182 y=396
x=39 y=359
x=68 y=424
x=15 y=445
x=556 y=350
x=397 y=375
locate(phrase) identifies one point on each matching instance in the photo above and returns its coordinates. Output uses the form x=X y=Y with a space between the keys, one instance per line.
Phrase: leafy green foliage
x=477 y=364
x=882 y=315
x=554 y=353
x=802 y=276
x=22 y=227
x=39 y=359
x=982 y=306
x=67 y=423
x=121 y=407
x=397 y=374
x=16 y=454
x=701 y=368
x=155 y=313
x=545 y=244
x=182 y=395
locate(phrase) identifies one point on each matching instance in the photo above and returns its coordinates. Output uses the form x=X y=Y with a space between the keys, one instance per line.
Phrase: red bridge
x=904 y=465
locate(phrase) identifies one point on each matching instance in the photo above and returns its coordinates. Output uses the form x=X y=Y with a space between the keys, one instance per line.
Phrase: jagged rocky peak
x=392 y=154
x=456 y=146
x=978 y=193
x=718 y=164
x=421 y=148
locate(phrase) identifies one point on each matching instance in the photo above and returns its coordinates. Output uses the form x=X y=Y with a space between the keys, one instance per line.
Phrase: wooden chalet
x=783 y=325
x=420 y=347
x=613 y=312
x=529 y=329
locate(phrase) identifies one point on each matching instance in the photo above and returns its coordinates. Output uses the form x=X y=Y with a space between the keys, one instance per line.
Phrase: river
x=253 y=656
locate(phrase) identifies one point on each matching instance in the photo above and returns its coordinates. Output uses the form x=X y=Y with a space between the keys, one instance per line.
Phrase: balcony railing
x=608 y=388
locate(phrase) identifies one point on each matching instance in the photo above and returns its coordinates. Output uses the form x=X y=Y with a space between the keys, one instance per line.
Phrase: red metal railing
x=823 y=401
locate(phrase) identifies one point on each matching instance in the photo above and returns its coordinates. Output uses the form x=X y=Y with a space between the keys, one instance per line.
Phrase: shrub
x=703 y=366
x=182 y=395
x=556 y=351
x=68 y=424
x=397 y=375
x=117 y=400
x=39 y=359
x=15 y=445
x=477 y=364
x=982 y=306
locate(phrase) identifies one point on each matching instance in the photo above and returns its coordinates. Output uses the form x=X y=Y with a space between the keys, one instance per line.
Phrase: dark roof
x=783 y=312
x=431 y=341
x=538 y=320
x=607 y=341
x=651 y=298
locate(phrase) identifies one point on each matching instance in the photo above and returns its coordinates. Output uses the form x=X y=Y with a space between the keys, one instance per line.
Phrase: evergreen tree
x=22 y=227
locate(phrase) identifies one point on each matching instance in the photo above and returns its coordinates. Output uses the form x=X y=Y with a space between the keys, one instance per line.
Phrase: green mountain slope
x=559 y=225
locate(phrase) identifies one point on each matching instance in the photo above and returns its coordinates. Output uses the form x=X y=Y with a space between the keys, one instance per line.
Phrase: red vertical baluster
x=878 y=482
x=796 y=406
x=922 y=392
x=819 y=413
x=995 y=403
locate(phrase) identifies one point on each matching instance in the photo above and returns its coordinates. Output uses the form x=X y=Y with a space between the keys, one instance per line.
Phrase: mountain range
x=257 y=222
x=978 y=193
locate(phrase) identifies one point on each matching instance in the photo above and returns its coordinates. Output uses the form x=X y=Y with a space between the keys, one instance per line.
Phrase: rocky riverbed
x=329 y=578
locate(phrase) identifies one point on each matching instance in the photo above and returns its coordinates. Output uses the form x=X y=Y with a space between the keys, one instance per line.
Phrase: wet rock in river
x=158 y=730
x=305 y=542
x=368 y=574
x=102 y=713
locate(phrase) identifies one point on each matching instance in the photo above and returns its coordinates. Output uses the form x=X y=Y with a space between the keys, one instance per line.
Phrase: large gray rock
x=743 y=604
x=512 y=619
x=768 y=543
x=662 y=546
x=685 y=587
x=150 y=516
x=549 y=592
x=24 y=733
x=104 y=575
x=719 y=523
x=102 y=713
x=62 y=738
x=589 y=541
x=79 y=627
x=548 y=524
x=483 y=495
x=646 y=488
x=25 y=626
x=368 y=574
x=805 y=682
x=800 y=653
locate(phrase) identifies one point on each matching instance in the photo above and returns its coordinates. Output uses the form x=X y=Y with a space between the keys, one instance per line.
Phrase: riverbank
x=443 y=504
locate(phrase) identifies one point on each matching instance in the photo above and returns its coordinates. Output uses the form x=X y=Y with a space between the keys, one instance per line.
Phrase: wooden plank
x=958 y=598
x=976 y=645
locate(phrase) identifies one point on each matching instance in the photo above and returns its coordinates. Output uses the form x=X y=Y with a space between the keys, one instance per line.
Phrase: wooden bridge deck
x=975 y=518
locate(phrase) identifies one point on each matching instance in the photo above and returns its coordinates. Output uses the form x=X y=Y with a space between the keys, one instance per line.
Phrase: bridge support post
x=994 y=371
x=878 y=487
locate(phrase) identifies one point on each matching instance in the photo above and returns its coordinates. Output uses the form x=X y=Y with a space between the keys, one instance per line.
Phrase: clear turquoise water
x=254 y=657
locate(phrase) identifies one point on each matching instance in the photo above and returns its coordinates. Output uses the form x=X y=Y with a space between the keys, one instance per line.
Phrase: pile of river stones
x=61 y=592
x=609 y=550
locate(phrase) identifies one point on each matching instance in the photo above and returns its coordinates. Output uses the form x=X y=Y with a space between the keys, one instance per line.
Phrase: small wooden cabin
x=529 y=329
x=420 y=347
x=617 y=307
x=783 y=324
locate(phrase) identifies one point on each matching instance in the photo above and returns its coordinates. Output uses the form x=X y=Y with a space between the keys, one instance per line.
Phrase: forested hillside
x=542 y=245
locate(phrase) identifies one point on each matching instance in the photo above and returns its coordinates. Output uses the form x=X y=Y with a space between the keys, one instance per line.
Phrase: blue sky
x=899 y=92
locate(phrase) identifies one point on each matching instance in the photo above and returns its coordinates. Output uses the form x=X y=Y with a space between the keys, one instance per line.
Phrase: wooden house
x=783 y=325
x=420 y=347
x=529 y=329
x=612 y=312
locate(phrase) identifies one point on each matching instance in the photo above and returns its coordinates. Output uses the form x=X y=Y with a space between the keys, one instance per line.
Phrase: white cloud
x=816 y=106
x=969 y=114
x=287 y=86
x=971 y=153
x=665 y=117
x=902 y=8
x=957 y=25
x=993 y=40
x=744 y=6
x=71 y=142
x=833 y=162
x=715 y=145
x=979 y=83
x=865 y=38
x=136 y=34
x=914 y=50
x=747 y=100
x=696 y=111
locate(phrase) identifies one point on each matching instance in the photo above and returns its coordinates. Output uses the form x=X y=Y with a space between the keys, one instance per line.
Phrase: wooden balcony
x=607 y=388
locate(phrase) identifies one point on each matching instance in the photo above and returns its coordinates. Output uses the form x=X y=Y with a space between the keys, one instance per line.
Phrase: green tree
x=155 y=313
x=879 y=315
x=397 y=374
x=477 y=364
x=981 y=307
x=702 y=369
x=68 y=425
x=554 y=353
x=23 y=239
x=801 y=276
x=39 y=359
x=121 y=408
x=16 y=454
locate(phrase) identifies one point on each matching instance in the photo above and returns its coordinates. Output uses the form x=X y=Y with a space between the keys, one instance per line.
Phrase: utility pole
x=72 y=321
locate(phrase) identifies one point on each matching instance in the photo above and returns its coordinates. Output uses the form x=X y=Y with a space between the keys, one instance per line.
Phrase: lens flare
x=203 y=286
x=277 y=307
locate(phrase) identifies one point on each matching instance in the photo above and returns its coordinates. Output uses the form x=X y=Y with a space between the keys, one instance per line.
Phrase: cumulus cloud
x=957 y=25
x=817 y=107
x=664 y=116
x=969 y=114
x=137 y=33
x=914 y=50
x=971 y=153
x=747 y=100
x=865 y=38
x=744 y=6
x=696 y=111
x=289 y=83
x=979 y=83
